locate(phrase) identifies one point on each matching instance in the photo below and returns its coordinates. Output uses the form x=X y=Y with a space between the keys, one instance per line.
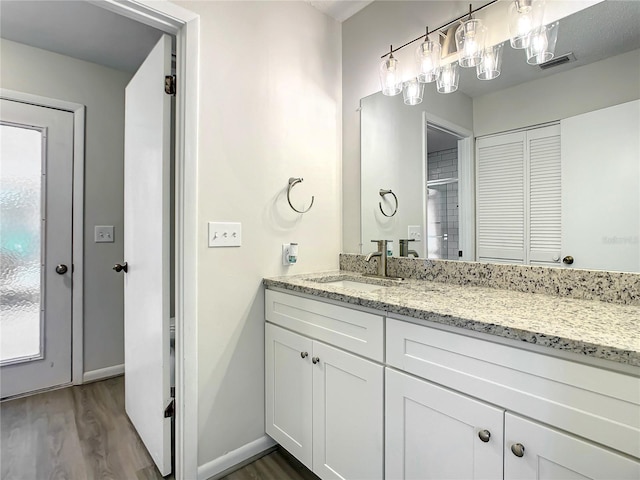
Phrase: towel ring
x=293 y=181
x=382 y=194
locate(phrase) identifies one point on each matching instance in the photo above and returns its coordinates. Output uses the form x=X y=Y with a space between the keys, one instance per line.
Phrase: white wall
x=270 y=109
x=365 y=37
x=591 y=87
x=101 y=90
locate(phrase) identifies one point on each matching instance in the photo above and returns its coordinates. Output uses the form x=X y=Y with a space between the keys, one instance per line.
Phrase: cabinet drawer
x=353 y=330
x=588 y=401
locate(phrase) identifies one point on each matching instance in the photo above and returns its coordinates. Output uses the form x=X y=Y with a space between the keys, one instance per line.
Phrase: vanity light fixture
x=470 y=41
x=491 y=63
x=428 y=59
x=448 y=77
x=390 y=75
x=525 y=16
x=413 y=91
x=542 y=44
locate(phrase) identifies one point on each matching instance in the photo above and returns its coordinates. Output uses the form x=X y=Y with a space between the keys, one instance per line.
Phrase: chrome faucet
x=382 y=253
x=404 y=248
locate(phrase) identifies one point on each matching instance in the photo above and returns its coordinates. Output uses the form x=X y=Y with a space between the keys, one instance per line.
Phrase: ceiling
x=78 y=29
x=339 y=9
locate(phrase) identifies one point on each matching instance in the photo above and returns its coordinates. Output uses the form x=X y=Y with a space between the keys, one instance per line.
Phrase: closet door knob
x=304 y=354
x=315 y=360
x=119 y=268
x=517 y=449
x=484 y=435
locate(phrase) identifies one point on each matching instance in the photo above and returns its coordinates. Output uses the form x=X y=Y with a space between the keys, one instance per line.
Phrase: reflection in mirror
x=597 y=196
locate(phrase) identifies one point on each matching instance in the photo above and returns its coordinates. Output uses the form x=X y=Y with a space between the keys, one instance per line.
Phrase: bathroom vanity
x=374 y=378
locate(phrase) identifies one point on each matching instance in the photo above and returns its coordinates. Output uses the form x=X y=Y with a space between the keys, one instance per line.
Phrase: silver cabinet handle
x=304 y=354
x=484 y=435
x=315 y=360
x=517 y=449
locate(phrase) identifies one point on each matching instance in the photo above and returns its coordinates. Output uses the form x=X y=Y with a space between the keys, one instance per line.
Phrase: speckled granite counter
x=586 y=327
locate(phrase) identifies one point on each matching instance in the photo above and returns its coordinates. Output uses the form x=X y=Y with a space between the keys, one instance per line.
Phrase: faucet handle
x=406 y=240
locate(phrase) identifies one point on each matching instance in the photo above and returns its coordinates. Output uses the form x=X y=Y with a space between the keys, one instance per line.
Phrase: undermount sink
x=361 y=284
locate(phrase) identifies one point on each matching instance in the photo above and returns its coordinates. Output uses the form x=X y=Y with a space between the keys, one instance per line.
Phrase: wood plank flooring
x=83 y=433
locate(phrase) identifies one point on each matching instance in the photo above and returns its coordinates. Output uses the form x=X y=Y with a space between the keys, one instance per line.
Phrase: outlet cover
x=103 y=234
x=225 y=234
x=414 y=232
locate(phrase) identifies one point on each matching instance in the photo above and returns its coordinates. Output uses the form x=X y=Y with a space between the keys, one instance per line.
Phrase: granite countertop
x=586 y=327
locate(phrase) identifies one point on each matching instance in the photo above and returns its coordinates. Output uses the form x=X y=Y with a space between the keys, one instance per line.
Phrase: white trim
x=216 y=468
x=466 y=183
x=102 y=373
x=77 y=289
x=185 y=25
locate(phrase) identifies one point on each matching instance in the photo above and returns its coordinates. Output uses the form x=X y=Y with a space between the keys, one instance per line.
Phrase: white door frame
x=77 y=284
x=466 y=182
x=185 y=25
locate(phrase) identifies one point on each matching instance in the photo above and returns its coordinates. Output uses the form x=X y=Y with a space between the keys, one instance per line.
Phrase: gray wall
x=591 y=87
x=101 y=90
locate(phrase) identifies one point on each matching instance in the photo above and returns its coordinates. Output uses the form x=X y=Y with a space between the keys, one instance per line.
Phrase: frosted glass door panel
x=20 y=243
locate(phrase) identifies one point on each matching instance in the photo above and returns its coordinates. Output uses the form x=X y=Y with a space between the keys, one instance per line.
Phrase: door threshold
x=36 y=392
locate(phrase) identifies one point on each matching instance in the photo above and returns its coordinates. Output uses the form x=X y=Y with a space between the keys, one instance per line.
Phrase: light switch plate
x=414 y=232
x=103 y=234
x=225 y=234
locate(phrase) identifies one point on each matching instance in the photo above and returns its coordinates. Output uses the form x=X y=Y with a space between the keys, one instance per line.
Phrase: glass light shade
x=390 y=76
x=524 y=17
x=542 y=44
x=491 y=63
x=470 y=41
x=413 y=91
x=428 y=60
x=448 y=76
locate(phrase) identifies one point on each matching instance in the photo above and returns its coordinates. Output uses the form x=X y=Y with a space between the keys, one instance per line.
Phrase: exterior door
x=146 y=249
x=36 y=190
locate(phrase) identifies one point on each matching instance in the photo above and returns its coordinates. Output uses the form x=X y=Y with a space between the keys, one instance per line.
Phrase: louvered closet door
x=500 y=201
x=544 y=195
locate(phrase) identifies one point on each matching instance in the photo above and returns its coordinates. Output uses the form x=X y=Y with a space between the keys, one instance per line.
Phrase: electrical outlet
x=225 y=234
x=414 y=232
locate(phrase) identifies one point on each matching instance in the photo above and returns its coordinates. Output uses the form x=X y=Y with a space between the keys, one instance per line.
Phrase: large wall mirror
x=455 y=197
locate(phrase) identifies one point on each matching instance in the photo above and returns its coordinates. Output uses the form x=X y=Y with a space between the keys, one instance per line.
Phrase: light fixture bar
x=442 y=27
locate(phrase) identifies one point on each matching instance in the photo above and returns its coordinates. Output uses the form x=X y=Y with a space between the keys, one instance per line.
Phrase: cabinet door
x=288 y=391
x=348 y=394
x=435 y=433
x=553 y=455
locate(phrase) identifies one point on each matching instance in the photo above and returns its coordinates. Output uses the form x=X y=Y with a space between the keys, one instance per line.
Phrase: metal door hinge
x=169 y=411
x=170 y=84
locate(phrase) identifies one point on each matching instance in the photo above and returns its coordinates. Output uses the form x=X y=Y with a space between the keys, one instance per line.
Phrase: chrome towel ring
x=388 y=192
x=293 y=181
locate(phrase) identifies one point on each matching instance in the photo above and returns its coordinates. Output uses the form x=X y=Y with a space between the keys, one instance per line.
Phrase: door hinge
x=170 y=84
x=169 y=411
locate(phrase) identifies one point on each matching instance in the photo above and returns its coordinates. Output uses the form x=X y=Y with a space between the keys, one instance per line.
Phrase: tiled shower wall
x=442 y=208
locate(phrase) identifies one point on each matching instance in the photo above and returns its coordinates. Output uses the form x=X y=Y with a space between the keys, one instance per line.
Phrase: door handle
x=62 y=269
x=118 y=267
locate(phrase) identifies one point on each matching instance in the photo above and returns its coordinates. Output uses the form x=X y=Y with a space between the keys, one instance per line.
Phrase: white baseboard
x=102 y=373
x=214 y=468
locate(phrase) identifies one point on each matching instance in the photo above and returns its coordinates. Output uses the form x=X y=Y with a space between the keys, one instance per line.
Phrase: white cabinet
x=548 y=454
x=433 y=433
x=324 y=405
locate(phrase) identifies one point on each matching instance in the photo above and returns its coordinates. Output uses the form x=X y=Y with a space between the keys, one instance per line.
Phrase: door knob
x=118 y=268
x=568 y=260
x=517 y=449
x=61 y=269
x=484 y=435
x=315 y=360
x=304 y=354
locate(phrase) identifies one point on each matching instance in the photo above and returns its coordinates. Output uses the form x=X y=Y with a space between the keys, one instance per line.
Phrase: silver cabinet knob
x=517 y=449
x=304 y=354
x=484 y=435
x=315 y=360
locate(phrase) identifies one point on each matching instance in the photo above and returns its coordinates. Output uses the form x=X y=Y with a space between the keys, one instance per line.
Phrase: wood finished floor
x=83 y=433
